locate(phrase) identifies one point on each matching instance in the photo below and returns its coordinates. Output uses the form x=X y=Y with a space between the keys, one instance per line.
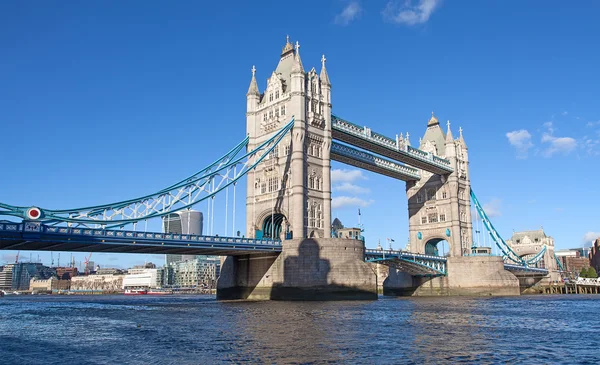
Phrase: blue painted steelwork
x=203 y=185
x=540 y=255
x=507 y=252
x=367 y=161
x=412 y=263
x=363 y=137
x=517 y=269
x=36 y=236
x=560 y=265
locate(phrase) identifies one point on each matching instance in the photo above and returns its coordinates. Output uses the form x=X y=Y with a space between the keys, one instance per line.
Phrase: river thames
x=200 y=330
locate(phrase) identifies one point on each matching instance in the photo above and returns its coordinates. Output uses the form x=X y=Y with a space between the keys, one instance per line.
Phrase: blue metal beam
x=39 y=237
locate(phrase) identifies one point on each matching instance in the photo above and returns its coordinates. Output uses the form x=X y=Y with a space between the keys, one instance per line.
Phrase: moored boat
x=136 y=292
x=159 y=292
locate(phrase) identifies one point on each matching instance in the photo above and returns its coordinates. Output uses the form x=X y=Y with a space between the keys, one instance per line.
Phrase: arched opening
x=273 y=225
x=437 y=247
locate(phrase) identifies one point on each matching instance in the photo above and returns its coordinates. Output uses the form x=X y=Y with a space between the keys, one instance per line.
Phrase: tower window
x=423 y=220
x=444 y=195
x=271 y=97
x=276 y=112
x=419 y=198
x=433 y=218
x=442 y=217
x=283 y=110
x=277 y=94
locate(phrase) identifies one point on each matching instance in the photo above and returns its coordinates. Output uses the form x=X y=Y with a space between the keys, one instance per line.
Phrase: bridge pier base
x=469 y=276
x=306 y=269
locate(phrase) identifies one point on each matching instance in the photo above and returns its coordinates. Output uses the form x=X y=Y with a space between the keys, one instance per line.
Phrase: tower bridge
x=288 y=251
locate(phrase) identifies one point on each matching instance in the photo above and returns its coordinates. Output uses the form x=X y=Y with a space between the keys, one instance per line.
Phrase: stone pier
x=474 y=276
x=306 y=269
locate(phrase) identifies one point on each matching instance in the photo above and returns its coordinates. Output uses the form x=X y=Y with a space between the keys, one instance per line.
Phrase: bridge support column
x=306 y=269
x=476 y=276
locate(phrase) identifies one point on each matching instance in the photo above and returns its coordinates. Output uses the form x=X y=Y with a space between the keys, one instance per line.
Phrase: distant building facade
x=18 y=276
x=182 y=222
x=199 y=272
x=594 y=255
x=106 y=283
x=528 y=244
x=143 y=278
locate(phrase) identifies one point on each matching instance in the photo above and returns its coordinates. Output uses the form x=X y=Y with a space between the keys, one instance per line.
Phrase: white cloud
x=343 y=175
x=592 y=124
x=410 y=12
x=351 y=188
x=564 y=113
x=492 y=208
x=590 y=236
x=348 y=201
x=351 y=12
x=521 y=140
x=558 y=144
x=591 y=146
x=549 y=127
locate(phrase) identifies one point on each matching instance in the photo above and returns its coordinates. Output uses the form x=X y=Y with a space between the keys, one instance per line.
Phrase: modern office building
x=182 y=222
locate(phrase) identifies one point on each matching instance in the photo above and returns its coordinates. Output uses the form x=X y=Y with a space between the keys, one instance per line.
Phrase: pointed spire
x=460 y=137
x=253 y=89
x=297 y=66
x=324 y=76
x=433 y=120
x=288 y=47
x=449 y=137
x=407 y=139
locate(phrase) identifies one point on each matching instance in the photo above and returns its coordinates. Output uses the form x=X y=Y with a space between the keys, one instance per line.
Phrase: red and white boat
x=136 y=292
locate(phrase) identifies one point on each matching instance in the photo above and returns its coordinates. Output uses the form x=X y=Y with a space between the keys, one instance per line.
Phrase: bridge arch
x=272 y=224
x=437 y=247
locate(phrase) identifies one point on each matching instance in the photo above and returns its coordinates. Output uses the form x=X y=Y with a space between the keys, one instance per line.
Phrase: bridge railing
x=32 y=227
x=377 y=252
x=367 y=134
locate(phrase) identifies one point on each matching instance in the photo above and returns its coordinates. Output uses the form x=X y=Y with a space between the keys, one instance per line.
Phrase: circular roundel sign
x=34 y=213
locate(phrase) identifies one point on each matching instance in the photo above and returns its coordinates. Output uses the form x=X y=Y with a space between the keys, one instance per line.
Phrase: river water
x=199 y=330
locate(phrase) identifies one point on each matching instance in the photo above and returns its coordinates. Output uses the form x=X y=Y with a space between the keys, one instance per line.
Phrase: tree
x=591 y=273
x=583 y=273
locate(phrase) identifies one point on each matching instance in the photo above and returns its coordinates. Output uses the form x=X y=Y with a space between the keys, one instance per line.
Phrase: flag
x=390 y=239
x=358 y=211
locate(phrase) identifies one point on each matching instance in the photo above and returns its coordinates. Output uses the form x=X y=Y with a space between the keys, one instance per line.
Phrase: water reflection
x=200 y=330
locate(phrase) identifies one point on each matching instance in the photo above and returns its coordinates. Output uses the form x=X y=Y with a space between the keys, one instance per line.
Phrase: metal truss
x=388 y=147
x=412 y=263
x=203 y=185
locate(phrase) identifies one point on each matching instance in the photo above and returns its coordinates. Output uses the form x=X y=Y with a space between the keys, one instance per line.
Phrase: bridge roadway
x=364 y=138
x=34 y=236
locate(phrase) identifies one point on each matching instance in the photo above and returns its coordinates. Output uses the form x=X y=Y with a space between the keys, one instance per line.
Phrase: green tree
x=583 y=273
x=591 y=273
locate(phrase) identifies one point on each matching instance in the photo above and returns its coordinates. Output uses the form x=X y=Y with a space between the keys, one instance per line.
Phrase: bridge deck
x=31 y=236
x=352 y=134
x=353 y=157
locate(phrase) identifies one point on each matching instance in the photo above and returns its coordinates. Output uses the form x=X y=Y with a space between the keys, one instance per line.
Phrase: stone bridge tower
x=439 y=207
x=289 y=193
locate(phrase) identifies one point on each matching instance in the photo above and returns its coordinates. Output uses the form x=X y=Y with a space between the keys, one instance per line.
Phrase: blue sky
x=102 y=101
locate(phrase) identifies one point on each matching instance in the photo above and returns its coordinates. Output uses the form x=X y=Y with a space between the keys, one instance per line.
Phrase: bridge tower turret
x=289 y=193
x=440 y=205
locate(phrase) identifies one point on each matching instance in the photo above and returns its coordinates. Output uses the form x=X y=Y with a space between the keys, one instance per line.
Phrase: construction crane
x=86 y=261
x=17 y=259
